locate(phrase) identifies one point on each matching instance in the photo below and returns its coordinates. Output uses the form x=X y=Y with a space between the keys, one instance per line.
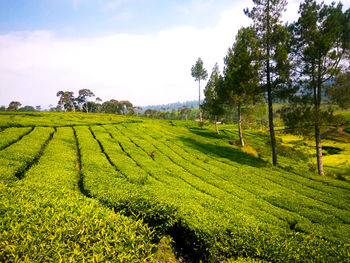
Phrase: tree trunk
x=186 y=117
x=73 y=107
x=269 y=89
x=240 y=125
x=317 y=100
x=199 y=100
x=319 y=151
x=216 y=125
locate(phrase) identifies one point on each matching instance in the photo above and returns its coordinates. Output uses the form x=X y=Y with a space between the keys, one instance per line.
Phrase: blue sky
x=136 y=50
x=98 y=17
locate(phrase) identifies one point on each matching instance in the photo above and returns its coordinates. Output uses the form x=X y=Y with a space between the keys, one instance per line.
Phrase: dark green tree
x=199 y=73
x=266 y=16
x=339 y=91
x=14 y=105
x=213 y=106
x=185 y=111
x=27 y=108
x=242 y=74
x=125 y=106
x=68 y=101
x=60 y=101
x=83 y=96
x=320 y=49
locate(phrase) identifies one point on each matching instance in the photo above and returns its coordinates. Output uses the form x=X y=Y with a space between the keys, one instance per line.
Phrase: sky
x=136 y=50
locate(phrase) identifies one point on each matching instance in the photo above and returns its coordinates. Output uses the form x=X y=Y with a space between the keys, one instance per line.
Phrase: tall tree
x=60 y=102
x=14 y=105
x=98 y=101
x=83 y=96
x=266 y=16
x=241 y=73
x=320 y=48
x=68 y=100
x=199 y=73
x=125 y=106
x=213 y=105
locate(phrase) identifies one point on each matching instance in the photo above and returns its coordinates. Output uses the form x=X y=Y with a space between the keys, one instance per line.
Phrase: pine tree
x=241 y=74
x=266 y=16
x=320 y=46
x=199 y=73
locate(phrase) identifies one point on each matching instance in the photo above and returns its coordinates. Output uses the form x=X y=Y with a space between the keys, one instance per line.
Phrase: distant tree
x=152 y=113
x=98 y=101
x=137 y=110
x=185 y=111
x=2 y=108
x=83 y=96
x=118 y=106
x=199 y=73
x=14 y=105
x=242 y=74
x=68 y=101
x=321 y=43
x=60 y=101
x=148 y=113
x=131 y=111
x=38 y=108
x=110 y=106
x=125 y=106
x=93 y=107
x=339 y=91
x=266 y=15
x=27 y=109
x=213 y=105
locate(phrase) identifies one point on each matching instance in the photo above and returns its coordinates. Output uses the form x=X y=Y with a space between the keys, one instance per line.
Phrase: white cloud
x=124 y=16
x=145 y=69
x=182 y=9
x=112 y=4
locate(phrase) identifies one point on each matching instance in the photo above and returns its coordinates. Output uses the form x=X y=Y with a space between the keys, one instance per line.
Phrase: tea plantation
x=80 y=187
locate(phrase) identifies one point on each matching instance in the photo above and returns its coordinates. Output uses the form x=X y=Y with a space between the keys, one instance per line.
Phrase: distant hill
x=193 y=104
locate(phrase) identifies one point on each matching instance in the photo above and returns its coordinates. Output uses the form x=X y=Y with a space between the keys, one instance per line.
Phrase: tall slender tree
x=60 y=102
x=266 y=16
x=199 y=73
x=241 y=73
x=321 y=43
x=213 y=105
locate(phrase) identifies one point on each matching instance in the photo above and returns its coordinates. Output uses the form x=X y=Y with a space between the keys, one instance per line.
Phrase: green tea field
x=78 y=187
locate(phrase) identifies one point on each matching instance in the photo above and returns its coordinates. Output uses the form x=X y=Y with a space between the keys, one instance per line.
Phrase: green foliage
x=16 y=158
x=45 y=218
x=14 y=105
x=213 y=104
x=339 y=91
x=11 y=135
x=198 y=71
x=241 y=70
x=216 y=202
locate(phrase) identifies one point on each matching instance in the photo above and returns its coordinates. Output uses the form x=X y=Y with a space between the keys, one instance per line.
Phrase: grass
x=196 y=192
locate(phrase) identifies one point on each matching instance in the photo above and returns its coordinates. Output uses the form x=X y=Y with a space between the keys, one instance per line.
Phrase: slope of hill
x=214 y=200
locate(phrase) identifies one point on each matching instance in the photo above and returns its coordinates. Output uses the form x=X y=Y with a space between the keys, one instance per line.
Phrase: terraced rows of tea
x=110 y=191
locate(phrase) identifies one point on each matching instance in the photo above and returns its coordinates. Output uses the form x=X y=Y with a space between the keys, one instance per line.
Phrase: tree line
x=16 y=106
x=68 y=102
x=301 y=63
